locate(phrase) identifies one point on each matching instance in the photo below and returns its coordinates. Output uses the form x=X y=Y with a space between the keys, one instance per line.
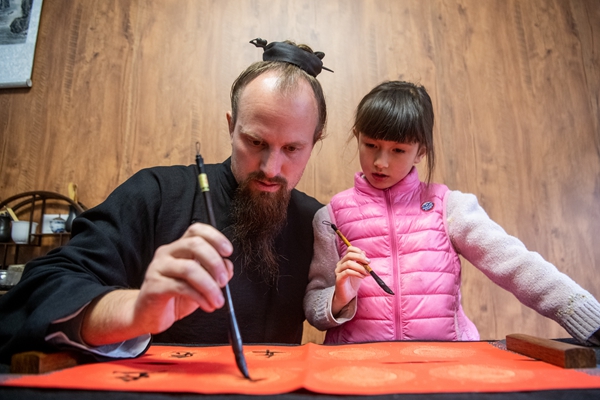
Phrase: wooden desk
x=214 y=366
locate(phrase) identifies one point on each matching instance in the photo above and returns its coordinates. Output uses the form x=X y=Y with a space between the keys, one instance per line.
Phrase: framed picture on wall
x=19 y=21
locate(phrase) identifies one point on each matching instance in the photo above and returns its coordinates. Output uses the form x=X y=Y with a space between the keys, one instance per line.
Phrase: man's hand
x=349 y=273
x=183 y=276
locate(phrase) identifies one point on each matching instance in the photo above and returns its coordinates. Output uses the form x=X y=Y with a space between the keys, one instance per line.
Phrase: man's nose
x=271 y=164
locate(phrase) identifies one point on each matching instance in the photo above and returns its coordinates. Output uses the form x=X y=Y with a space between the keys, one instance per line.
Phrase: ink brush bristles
x=379 y=281
x=234 y=331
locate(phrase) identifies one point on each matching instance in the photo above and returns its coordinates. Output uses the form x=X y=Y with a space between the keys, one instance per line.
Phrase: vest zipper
x=397 y=300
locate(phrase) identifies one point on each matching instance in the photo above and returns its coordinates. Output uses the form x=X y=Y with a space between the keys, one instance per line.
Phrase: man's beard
x=257 y=219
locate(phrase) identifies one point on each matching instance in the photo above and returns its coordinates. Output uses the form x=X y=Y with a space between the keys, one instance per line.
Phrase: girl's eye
x=398 y=151
x=369 y=145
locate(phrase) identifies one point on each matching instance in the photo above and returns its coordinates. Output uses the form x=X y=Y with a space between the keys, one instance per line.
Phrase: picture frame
x=19 y=22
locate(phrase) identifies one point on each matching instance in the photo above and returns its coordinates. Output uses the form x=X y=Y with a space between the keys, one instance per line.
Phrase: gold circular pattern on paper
x=432 y=352
x=353 y=353
x=364 y=376
x=482 y=373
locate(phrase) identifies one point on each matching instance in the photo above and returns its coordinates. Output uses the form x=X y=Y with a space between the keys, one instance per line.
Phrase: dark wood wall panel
x=126 y=84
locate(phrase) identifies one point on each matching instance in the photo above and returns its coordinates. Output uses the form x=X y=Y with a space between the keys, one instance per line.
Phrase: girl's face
x=386 y=163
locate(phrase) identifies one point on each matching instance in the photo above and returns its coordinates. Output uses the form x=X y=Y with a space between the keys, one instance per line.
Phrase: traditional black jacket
x=112 y=245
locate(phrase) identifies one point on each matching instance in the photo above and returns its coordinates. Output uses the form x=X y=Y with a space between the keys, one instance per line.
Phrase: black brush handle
x=235 y=338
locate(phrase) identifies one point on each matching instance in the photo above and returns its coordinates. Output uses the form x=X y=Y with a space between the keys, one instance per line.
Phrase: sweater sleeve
x=507 y=262
x=321 y=278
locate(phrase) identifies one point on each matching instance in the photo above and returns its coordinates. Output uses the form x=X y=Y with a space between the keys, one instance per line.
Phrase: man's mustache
x=260 y=175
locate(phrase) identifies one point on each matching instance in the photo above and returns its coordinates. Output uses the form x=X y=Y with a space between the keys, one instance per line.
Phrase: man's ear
x=230 y=123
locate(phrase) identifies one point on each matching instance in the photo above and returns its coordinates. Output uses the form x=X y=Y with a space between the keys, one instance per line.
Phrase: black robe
x=113 y=243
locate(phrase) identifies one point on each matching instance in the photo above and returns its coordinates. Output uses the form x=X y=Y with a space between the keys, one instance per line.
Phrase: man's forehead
x=269 y=80
x=275 y=83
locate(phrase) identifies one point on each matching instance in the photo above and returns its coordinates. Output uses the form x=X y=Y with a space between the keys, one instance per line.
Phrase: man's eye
x=256 y=142
x=291 y=149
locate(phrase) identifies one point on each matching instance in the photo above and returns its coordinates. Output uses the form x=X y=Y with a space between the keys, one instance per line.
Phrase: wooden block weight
x=558 y=353
x=36 y=362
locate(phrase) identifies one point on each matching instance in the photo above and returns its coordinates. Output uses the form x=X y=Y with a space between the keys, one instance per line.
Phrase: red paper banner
x=363 y=369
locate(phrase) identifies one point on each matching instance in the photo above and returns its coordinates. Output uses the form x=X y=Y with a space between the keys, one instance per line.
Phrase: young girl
x=411 y=233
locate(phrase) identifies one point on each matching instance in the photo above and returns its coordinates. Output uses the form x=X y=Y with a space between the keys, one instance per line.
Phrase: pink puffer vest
x=402 y=231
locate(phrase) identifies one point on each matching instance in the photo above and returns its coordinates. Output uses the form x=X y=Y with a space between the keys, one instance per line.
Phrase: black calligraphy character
x=128 y=376
x=267 y=353
x=179 y=354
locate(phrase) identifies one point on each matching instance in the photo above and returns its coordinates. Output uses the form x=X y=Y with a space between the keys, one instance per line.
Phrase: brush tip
x=243 y=368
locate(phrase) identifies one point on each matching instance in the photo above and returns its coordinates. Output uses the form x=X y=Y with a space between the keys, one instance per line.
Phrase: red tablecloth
x=373 y=368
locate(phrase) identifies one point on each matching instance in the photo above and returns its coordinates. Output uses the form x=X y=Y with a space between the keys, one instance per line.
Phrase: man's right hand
x=183 y=276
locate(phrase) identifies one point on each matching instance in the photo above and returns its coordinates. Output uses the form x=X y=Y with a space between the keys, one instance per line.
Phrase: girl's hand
x=349 y=273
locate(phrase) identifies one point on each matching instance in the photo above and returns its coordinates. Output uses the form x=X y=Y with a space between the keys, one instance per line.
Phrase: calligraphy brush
x=367 y=267
x=234 y=331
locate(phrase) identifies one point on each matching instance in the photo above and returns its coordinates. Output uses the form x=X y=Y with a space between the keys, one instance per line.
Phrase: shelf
x=37 y=242
x=51 y=234
x=33 y=206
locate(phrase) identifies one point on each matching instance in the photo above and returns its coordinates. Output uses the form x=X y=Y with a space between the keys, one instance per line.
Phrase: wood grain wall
x=119 y=85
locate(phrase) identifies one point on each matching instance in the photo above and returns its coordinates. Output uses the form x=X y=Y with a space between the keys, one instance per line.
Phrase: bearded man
x=145 y=263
